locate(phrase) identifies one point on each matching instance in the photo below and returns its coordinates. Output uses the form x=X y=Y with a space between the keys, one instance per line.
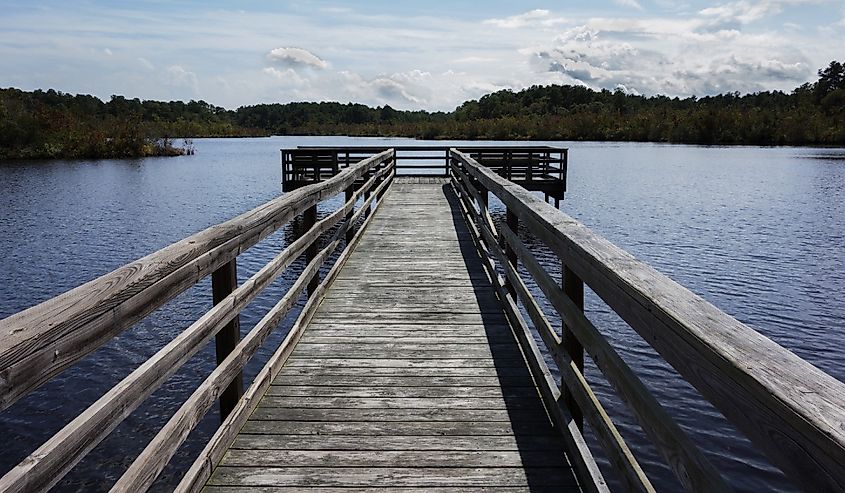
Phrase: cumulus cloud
x=177 y=76
x=746 y=12
x=295 y=58
x=634 y=4
x=533 y=18
x=648 y=64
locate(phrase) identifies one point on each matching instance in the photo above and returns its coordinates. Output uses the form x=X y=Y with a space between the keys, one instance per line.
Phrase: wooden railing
x=792 y=411
x=42 y=341
x=526 y=163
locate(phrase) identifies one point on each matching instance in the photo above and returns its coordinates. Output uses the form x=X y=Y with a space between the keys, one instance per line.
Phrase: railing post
x=512 y=221
x=350 y=232
x=573 y=286
x=381 y=180
x=224 y=280
x=530 y=171
x=485 y=196
x=367 y=195
x=309 y=218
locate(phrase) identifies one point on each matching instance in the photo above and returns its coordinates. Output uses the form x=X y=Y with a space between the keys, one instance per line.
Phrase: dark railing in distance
x=792 y=411
x=40 y=342
x=536 y=167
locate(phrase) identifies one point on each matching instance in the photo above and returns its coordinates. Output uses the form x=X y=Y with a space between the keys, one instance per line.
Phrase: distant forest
x=49 y=124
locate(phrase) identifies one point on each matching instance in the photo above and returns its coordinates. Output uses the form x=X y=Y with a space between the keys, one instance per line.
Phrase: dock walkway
x=408 y=376
x=435 y=350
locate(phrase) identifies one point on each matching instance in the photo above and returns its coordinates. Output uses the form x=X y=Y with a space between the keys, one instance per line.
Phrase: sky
x=430 y=55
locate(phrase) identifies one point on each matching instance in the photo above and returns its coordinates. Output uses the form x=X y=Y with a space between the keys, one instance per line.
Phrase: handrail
x=40 y=342
x=199 y=472
x=582 y=459
x=47 y=465
x=792 y=411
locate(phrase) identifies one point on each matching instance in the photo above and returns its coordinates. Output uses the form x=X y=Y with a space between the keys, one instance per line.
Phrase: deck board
x=408 y=377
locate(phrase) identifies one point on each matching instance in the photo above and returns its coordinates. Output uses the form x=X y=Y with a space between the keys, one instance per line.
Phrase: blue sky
x=431 y=55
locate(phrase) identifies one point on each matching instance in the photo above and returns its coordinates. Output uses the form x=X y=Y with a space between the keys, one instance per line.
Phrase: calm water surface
x=756 y=231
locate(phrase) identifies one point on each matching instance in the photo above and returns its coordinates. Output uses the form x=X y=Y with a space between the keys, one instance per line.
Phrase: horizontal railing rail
x=75 y=323
x=792 y=411
x=540 y=163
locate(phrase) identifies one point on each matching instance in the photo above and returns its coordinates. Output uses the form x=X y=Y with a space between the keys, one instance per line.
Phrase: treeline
x=813 y=113
x=53 y=124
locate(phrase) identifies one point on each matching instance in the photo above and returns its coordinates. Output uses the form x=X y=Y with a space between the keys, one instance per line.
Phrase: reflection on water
x=756 y=231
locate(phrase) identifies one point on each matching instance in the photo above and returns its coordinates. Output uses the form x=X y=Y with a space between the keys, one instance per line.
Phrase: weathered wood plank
x=394 y=429
x=203 y=466
x=392 y=476
x=364 y=362
x=398 y=415
x=416 y=392
x=389 y=443
x=403 y=458
x=40 y=342
x=428 y=489
x=361 y=372
x=402 y=402
x=789 y=408
x=405 y=380
x=410 y=348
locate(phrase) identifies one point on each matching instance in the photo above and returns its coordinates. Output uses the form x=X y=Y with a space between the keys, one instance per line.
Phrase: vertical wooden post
x=573 y=286
x=350 y=232
x=485 y=196
x=224 y=280
x=513 y=223
x=530 y=171
x=367 y=195
x=380 y=181
x=309 y=218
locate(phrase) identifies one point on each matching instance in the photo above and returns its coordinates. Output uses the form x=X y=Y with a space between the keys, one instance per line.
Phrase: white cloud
x=533 y=18
x=107 y=51
x=694 y=63
x=295 y=57
x=412 y=60
x=634 y=4
x=177 y=76
x=746 y=12
x=146 y=63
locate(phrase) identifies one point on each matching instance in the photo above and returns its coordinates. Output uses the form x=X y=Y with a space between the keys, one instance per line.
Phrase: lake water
x=756 y=231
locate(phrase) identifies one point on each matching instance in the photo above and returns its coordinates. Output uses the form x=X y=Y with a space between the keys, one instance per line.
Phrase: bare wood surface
x=791 y=410
x=40 y=342
x=690 y=466
x=223 y=281
x=200 y=471
x=388 y=369
x=51 y=461
x=582 y=459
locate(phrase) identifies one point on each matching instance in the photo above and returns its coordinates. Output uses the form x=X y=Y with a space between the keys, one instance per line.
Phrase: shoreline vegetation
x=50 y=124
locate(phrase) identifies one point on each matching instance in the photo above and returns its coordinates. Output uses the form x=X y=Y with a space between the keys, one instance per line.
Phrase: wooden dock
x=421 y=359
x=409 y=374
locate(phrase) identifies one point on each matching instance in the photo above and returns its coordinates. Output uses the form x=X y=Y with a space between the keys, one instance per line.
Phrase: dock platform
x=432 y=347
x=408 y=376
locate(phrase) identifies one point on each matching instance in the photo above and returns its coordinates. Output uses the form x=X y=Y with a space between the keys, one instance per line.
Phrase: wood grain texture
x=390 y=369
x=792 y=411
x=40 y=342
x=202 y=468
x=690 y=466
x=55 y=457
x=583 y=462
